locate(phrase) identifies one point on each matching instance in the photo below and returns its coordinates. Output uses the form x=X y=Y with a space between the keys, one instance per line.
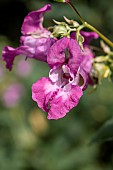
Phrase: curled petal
x=75 y=55
x=34 y=20
x=84 y=77
x=88 y=36
x=56 y=55
x=65 y=51
x=63 y=102
x=10 y=53
x=55 y=74
x=86 y=66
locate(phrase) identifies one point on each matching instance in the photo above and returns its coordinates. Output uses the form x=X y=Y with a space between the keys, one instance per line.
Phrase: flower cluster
x=70 y=65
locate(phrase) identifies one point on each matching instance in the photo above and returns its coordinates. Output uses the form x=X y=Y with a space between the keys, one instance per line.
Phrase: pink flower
x=23 y=68
x=59 y=93
x=35 y=40
x=12 y=95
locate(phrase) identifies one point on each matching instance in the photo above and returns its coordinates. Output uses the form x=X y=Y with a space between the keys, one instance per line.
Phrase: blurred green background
x=28 y=141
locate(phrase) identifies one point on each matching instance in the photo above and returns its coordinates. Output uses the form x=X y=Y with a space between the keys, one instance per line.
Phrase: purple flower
x=23 y=68
x=12 y=95
x=59 y=93
x=35 y=40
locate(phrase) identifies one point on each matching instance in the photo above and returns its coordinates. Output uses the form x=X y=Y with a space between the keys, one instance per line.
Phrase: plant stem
x=73 y=7
x=99 y=33
x=110 y=43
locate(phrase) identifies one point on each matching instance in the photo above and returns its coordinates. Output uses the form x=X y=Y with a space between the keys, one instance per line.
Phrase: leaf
x=105 y=133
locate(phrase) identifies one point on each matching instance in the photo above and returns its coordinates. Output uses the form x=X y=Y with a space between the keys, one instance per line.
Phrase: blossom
x=35 y=40
x=62 y=91
x=23 y=68
x=12 y=95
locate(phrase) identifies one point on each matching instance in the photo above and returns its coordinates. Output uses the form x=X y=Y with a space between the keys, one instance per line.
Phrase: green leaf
x=105 y=133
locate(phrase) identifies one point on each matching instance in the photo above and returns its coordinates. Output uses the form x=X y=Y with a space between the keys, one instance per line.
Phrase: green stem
x=72 y=6
x=99 y=33
x=90 y=26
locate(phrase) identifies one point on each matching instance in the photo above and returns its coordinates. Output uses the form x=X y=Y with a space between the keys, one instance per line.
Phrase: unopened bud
x=59 y=30
x=101 y=71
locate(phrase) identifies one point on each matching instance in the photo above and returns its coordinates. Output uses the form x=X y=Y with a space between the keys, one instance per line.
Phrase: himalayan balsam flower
x=23 y=68
x=12 y=95
x=68 y=77
x=62 y=90
x=35 y=39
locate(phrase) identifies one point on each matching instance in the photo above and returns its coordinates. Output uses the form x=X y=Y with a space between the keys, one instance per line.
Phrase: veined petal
x=56 y=54
x=38 y=46
x=64 y=101
x=75 y=55
x=34 y=20
x=65 y=51
x=42 y=92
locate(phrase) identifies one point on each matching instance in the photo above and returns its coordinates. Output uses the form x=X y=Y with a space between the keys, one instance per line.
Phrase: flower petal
x=87 y=59
x=75 y=55
x=55 y=74
x=63 y=102
x=38 y=46
x=34 y=20
x=10 y=53
x=88 y=36
x=86 y=66
x=57 y=54
x=42 y=92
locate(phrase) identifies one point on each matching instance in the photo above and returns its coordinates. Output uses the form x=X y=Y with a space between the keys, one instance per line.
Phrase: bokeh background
x=28 y=141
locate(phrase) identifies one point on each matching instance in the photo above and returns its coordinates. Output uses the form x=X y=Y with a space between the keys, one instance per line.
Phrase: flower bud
x=100 y=71
x=59 y=30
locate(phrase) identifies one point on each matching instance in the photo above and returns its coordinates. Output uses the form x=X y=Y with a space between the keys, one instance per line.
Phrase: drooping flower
x=59 y=93
x=35 y=40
